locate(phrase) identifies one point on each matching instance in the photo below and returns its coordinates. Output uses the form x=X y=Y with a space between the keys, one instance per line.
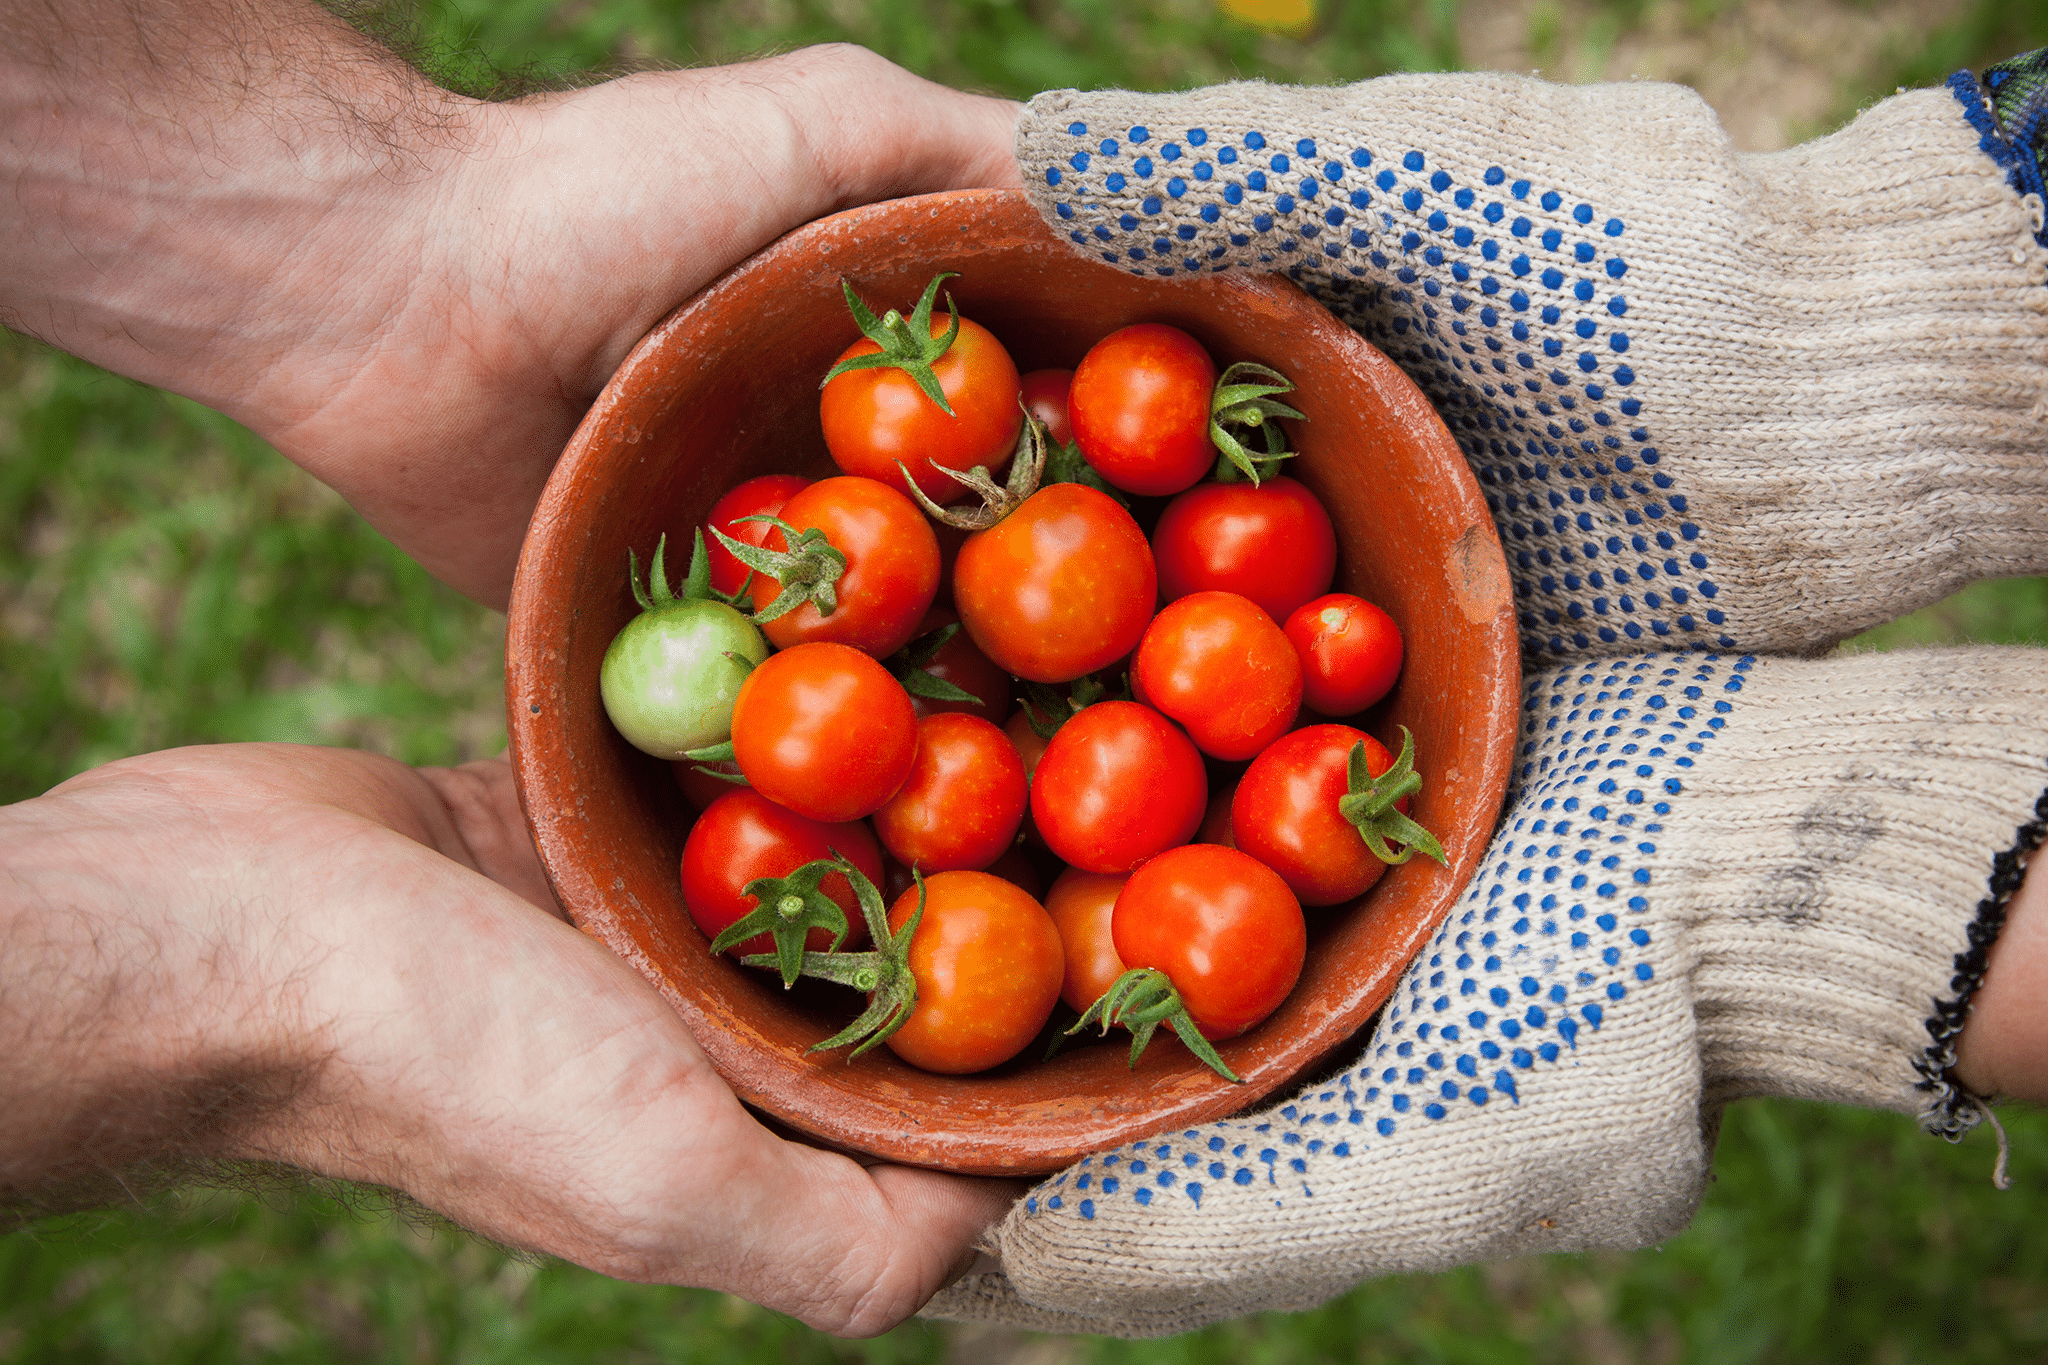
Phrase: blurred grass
x=165 y=579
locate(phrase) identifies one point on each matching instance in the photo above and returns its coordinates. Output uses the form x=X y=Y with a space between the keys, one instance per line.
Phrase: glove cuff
x=1845 y=863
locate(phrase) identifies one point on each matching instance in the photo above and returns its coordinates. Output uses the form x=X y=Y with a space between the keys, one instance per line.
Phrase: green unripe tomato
x=669 y=678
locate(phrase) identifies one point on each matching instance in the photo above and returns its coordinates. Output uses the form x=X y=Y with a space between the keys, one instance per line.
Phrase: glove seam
x=1951 y=1109
x=2021 y=163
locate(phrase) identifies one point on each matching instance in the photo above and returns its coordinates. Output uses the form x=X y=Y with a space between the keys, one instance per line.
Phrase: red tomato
x=1285 y=813
x=1273 y=544
x=874 y=418
x=1080 y=904
x=1222 y=926
x=824 y=730
x=1118 y=784
x=892 y=567
x=1350 y=653
x=764 y=495
x=1140 y=408
x=743 y=835
x=1062 y=586
x=1044 y=395
x=960 y=663
x=958 y=810
x=988 y=966
x=1217 y=664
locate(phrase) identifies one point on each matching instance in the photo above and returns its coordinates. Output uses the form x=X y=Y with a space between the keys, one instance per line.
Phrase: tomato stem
x=1370 y=806
x=883 y=974
x=655 y=593
x=1141 y=1000
x=787 y=909
x=907 y=345
x=808 y=570
x=1027 y=466
x=1244 y=397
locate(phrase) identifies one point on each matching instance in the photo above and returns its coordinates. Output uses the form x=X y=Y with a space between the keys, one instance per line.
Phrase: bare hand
x=322 y=958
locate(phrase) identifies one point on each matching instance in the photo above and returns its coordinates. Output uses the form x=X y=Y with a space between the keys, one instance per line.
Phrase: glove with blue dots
x=1719 y=876
x=1714 y=400
x=1718 y=403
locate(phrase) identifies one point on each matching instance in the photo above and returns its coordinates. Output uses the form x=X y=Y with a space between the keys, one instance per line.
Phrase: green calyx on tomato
x=1245 y=396
x=1141 y=1000
x=907 y=345
x=883 y=973
x=908 y=666
x=789 y=908
x=809 y=570
x=1027 y=467
x=1370 y=806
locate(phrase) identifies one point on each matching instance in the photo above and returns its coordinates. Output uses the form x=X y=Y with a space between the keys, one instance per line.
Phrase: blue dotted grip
x=1550 y=944
x=1504 y=301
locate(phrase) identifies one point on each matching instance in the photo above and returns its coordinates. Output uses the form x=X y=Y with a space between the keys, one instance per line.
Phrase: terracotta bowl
x=726 y=388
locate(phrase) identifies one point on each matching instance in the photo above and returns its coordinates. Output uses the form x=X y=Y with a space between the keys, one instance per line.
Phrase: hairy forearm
x=186 y=182
x=127 y=1045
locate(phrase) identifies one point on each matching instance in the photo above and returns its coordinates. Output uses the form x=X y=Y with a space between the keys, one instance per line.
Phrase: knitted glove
x=1714 y=400
x=1719 y=877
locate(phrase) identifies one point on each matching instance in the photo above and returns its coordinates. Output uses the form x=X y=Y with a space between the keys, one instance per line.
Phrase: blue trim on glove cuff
x=2009 y=109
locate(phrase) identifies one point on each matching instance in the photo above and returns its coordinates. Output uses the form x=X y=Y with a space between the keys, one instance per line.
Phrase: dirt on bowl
x=726 y=388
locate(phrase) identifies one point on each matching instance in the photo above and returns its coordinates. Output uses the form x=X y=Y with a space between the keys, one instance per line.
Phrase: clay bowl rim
x=994 y=1124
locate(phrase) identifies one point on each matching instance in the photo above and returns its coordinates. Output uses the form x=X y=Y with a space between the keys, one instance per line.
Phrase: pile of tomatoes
x=948 y=746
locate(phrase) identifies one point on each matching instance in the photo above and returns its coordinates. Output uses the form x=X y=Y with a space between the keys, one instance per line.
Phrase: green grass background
x=166 y=579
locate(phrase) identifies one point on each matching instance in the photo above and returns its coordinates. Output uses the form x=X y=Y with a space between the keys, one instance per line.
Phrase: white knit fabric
x=1719 y=877
x=1715 y=400
x=1717 y=403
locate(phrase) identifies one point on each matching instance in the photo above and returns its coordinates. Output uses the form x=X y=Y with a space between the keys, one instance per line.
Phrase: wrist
x=141 y=1028
x=1853 y=836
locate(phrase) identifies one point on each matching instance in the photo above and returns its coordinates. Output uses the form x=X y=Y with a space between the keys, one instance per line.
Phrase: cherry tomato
x=958 y=810
x=988 y=966
x=960 y=663
x=1140 y=409
x=1117 y=784
x=874 y=418
x=670 y=676
x=1044 y=395
x=1062 y=586
x=1222 y=926
x=1350 y=653
x=892 y=567
x=743 y=835
x=824 y=730
x=1285 y=813
x=1080 y=904
x=765 y=496
x=1273 y=544
x=1217 y=664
